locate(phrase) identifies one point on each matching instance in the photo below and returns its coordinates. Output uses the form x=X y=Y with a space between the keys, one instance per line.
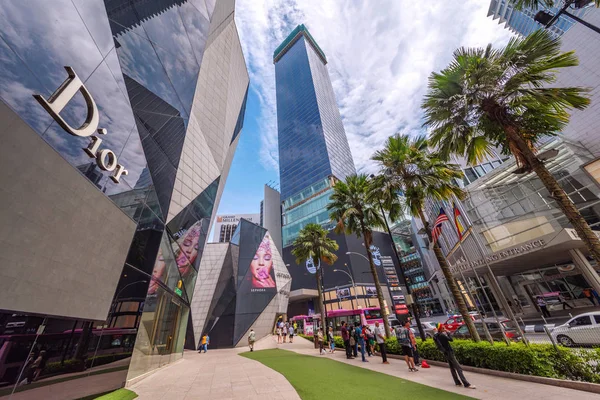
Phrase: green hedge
x=537 y=359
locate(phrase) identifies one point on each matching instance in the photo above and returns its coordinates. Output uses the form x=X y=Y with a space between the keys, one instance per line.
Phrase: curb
x=576 y=385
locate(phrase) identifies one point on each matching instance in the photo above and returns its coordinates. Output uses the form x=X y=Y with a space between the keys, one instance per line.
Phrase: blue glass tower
x=313 y=148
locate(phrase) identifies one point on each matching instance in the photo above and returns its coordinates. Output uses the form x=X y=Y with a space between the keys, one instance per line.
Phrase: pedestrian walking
x=331 y=340
x=354 y=340
x=563 y=301
x=413 y=342
x=361 y=341
x=589 y=294
x=320 y=340
x=442 y=341
x=278 y=334
x=380 y=338
x=251 y=339
x=204 y=341
x=346 y=339
x=291 y=333
x=403 y=336
x=370 y=341
x=285 y=332
x=543 y=306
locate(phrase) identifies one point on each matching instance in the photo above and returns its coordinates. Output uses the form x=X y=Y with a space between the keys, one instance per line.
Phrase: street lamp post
x=353 y=284
x=547 y=19
x=117 y=297
x=408 y=291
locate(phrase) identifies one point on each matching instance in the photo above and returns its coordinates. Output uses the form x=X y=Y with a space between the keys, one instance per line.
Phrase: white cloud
x=380 y=55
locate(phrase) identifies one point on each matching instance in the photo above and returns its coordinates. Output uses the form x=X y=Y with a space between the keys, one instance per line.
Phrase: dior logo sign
x=105 y=158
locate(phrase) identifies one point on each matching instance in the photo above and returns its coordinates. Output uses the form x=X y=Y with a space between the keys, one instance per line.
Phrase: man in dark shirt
x=442 y=340
x=346 y=339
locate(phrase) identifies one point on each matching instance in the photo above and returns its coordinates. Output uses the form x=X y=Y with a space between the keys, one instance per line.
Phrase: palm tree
x=500 y=97
x=313 y=244
x=408 y=168
x=356 y=212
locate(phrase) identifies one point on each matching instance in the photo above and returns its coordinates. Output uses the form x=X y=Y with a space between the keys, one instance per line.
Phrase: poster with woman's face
x=158 y=273
x=261 y=267
x=187 y=252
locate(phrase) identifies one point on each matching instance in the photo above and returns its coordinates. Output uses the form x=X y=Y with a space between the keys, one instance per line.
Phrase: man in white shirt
x=380 y=337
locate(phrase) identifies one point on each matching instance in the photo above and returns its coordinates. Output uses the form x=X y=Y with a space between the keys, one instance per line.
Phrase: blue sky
x=380 y=54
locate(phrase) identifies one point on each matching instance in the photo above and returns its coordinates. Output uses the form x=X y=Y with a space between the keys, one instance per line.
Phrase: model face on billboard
x=261 y=266
x=157 y=273
x=189 y=249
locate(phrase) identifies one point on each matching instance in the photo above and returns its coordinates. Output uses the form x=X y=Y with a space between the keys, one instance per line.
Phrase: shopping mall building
x=119 y=120
x=516 y=240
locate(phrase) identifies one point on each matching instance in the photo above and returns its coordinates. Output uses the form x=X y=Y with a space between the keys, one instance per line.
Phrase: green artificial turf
x=120 y=394
x=320 y=378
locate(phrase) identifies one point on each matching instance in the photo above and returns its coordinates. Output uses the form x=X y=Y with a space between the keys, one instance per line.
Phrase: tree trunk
x=454 y=289
x=321 y=301
x=368 y=240
x=585 y=233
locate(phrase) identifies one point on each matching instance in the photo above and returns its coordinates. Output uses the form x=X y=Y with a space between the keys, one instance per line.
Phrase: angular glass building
x=313 y=148
x=119 y=120
x=245 y=285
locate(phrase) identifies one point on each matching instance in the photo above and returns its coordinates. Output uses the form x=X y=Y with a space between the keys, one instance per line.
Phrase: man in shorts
x=403 y=336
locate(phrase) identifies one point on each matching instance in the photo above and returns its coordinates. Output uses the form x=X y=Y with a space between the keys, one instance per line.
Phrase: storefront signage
x=501 y=255
x=105 y=158
x=573 y=233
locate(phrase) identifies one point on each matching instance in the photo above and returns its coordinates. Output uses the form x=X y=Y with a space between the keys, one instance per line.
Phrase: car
x=493 y=327
x=428 y=328
x=455 y=322
x=583 y=329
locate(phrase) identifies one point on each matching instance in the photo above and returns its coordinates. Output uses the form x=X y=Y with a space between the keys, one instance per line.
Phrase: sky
x=380 y=54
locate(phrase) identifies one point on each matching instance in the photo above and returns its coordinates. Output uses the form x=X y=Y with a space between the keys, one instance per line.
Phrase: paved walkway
x=223 y=374
x=488 y=387
x=217 y=374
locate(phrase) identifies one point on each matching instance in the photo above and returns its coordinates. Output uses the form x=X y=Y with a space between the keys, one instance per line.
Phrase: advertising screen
x=355 y=263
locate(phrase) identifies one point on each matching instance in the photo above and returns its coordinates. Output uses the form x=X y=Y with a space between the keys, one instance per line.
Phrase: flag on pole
x=437 y=225
x=459 y=228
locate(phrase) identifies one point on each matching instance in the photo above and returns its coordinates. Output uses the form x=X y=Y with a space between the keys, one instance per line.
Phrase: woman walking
x=331 y=340
x=320 y=340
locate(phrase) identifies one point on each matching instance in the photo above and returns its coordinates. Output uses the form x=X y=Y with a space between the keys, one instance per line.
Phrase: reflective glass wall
x=139 y=61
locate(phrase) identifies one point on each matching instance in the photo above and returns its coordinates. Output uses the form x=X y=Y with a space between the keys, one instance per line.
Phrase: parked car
x=428 y=327
x=494 y=329
x=583 y=329
x=455 y=322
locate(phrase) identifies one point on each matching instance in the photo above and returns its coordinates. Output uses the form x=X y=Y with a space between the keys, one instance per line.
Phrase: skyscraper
x=313 y=148
x=522 y=23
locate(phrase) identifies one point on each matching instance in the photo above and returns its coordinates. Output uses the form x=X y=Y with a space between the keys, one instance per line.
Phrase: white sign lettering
x=462 y=265
x=106 y=159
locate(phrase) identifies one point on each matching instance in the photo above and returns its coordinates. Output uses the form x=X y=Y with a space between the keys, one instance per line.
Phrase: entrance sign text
x=501 y=255
x=105 y=158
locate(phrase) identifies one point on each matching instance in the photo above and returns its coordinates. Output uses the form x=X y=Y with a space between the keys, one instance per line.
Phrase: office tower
x=102 y=259
x=225 y=225
x=574 y=36
x=313 y=148
x=521 y=22
x=270 y=215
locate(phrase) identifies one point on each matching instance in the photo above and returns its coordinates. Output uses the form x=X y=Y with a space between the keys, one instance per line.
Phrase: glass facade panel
x=140 y=62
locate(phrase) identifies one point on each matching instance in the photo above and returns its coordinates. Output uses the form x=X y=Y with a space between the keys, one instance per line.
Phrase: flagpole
x=478 y=245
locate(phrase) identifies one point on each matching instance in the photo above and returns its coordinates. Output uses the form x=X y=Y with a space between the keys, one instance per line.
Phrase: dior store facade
x=119 y=120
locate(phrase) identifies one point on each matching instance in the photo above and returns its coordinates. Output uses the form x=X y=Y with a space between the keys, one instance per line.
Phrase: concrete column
x=590 y=275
